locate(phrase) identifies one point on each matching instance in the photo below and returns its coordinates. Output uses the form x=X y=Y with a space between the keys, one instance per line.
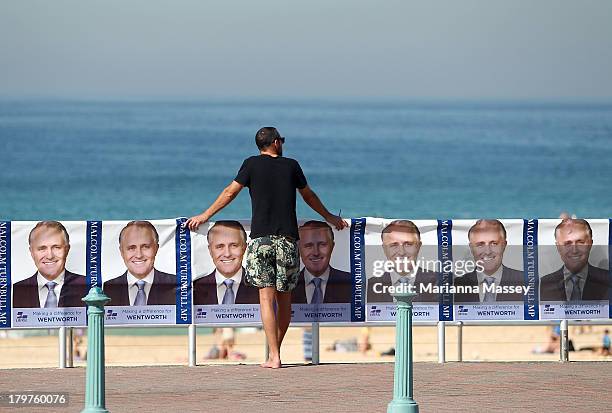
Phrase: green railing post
x=403 y=401
x=95 y=387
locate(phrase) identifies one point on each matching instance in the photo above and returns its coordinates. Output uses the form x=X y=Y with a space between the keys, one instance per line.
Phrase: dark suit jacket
x=205 y=291
x=25 y=292
x=552 y=286
x=422 y=277
x=510 y=277
x=163 y=290
x=339 y=288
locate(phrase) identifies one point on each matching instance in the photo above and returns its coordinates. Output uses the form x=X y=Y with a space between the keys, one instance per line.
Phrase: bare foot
x=271 y=364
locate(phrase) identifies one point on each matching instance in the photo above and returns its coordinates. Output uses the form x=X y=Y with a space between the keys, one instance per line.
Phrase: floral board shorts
x=273 y=261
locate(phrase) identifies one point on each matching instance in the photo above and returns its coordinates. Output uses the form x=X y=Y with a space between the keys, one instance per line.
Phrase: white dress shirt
x=481 y=282
x=569 y=285
x=221 y=288
x=133 y=287
x=310 y=287
x=43 y=291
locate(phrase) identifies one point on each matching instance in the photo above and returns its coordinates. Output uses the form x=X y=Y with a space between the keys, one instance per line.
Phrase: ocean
x=78 y=160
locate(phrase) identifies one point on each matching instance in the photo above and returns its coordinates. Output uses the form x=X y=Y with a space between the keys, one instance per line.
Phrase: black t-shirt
x=272 y=182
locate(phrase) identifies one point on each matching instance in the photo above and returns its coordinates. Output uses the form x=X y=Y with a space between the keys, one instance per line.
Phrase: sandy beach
x=480 y=343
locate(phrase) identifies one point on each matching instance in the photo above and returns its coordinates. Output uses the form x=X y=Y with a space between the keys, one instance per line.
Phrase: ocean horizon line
x=477 y=102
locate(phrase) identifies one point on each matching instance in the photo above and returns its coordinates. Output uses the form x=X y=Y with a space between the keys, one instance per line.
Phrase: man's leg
x=267 y=297
x=283 y=300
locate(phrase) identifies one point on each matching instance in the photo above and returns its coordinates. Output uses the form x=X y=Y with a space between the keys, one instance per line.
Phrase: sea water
x=76 y=160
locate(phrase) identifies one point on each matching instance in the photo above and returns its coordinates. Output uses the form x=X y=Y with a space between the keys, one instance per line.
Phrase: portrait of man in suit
x=402 y=239
x=52 y=285
x=487 y=240
x=227 y=242
x=142 y=284
x=319 y=282
x=576 y=280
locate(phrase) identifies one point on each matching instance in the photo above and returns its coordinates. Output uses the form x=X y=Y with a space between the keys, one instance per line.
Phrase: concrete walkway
x=453 y=387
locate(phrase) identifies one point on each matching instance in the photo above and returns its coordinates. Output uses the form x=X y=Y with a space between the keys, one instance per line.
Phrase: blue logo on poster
x=292 y=313
x=463 y=310
x=201 y=312
x=21 y=317
x=111 y=315
x=375 y=312
x=549 y=309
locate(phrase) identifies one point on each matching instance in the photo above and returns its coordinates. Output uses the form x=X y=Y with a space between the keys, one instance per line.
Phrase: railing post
x=70 y=359
x=460 y=341
x=403 y=400
x=95 y=381
x=192 y=345
x=315 y=342
x=61 y=335
x=441 y=342
x=307 y=343
x=564 y=353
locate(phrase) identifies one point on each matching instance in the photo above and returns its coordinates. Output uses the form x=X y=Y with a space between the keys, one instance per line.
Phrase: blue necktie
x=141 y=296
x=228 y=297
x=489 y=296
x=576 y=293
x=404 y=280
x=51 y=301
x=317 y=296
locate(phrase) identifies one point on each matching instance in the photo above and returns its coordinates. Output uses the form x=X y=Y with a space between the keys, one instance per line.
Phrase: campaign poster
x=146 y=269
x=488 y=271
x=47 y=273
x=402 y=253
x=324 y=290
x=574 y=269
x=5 y=274
x=221 y=293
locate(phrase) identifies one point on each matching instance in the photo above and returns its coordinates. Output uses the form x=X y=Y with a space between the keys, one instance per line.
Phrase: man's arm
x=225 y=197
x=315 y=203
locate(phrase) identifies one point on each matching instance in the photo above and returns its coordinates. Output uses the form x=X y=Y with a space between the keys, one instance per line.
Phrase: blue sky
x=470 y=49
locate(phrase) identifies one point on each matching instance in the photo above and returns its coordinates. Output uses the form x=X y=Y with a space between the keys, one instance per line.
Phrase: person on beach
x=552 y=345
x=605 y=347
x=272 y=253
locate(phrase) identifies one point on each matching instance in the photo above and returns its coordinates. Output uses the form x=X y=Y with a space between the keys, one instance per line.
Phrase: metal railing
x=66 y=350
